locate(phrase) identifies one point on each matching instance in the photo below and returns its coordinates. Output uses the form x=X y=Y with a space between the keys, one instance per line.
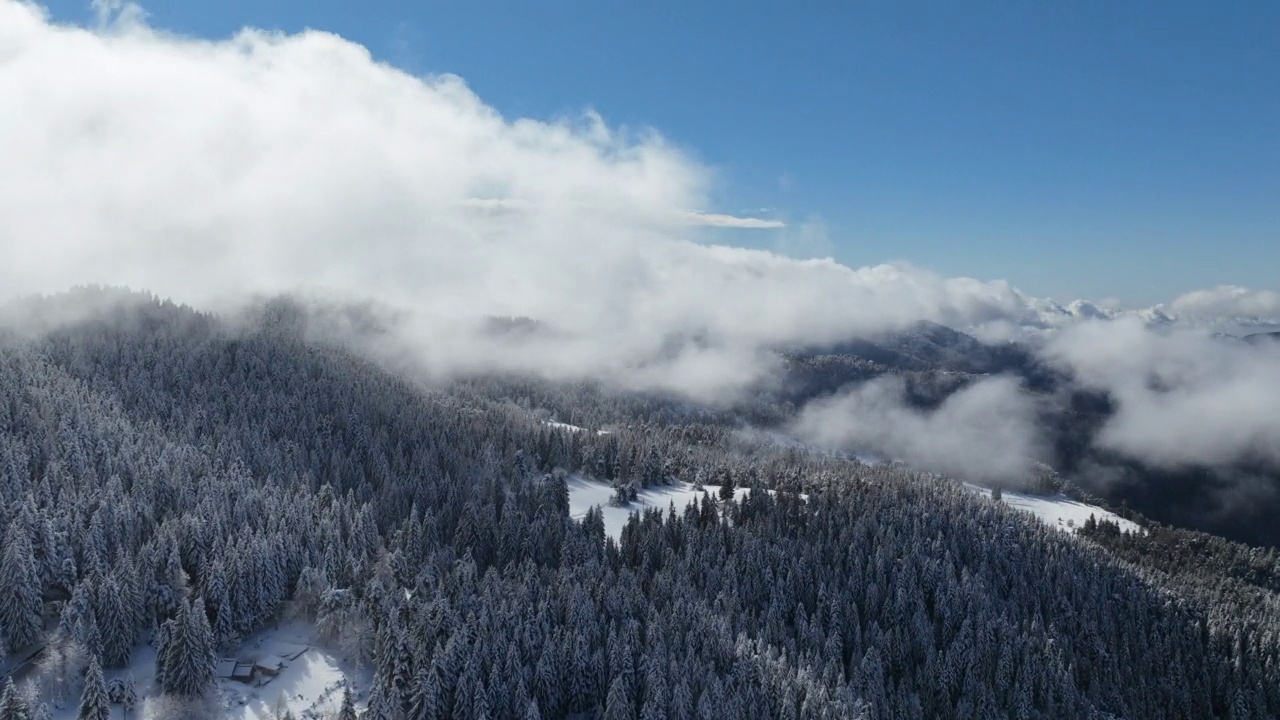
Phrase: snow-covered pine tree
x=185 y=662
x=123 y=691
x=481 y=708
x=94 y=704
x=727 y=486
x=20 y=603
x=384 y=703
x=617 y=706
x=425 y=702
x=348 y=710
x=35 y=701
x=12 y=705
x=79 y=622
x=40 y=711
x=161 y=642
x=218 y=604
x=115 y=623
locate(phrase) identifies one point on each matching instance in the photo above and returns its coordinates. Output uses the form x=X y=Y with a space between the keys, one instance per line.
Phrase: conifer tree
x=35 y=701
x=12 y=705
x=20 y=602
x=115 y=625
x=94 y=703
x=727 y=486
x=348 y=710
x=218 y=604
x=123 y=691
x=617 y=706
x=40 y=711
x=186 y=659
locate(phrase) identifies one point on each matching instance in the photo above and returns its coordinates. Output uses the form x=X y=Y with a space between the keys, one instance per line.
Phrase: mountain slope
x=180 y=462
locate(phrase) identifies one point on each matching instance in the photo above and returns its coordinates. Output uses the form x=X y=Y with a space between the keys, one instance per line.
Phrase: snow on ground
x=1058 y=511
x=141 y=670
x=585 y=494
x=571 y=428
x=309 y=686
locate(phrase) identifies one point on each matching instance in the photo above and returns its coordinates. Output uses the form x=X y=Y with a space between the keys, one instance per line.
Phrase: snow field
x=309 y=686
x=1058 y=511
x=585 y=494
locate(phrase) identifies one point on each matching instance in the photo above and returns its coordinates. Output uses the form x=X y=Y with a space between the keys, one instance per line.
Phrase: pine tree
x=727 y=486
x=480 y=707
x=218 y=604
x=35 y=701
x=79 y=621
x=40 y=711
x=185 y=662
x=115 y=625
x=123 y=691
x=617 y=706
x=94 y=704
x=348 y=710
x=426 y=702
x=384 y=702
x=12 y=705
x=20 y=601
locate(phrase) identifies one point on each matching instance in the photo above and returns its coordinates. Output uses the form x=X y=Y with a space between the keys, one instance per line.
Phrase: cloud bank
x=210 y=171
x=1183 y=398
x=986 y=431
x=268 y=162
x=265 y=163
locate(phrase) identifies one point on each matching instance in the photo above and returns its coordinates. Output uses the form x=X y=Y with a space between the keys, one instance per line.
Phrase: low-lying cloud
x=1183 y=398
x=986 y=431
x=266 y=163
x=210 y=171
x=1242 y=305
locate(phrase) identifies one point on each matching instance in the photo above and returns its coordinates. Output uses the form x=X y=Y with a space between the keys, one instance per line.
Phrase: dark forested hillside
x=173 y=481
x=934 y=362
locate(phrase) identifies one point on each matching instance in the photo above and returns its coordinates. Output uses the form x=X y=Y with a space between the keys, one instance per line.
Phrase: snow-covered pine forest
x=172 y=482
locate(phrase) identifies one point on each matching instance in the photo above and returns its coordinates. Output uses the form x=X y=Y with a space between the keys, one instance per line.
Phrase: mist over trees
x=171 y=478
x=494 y=312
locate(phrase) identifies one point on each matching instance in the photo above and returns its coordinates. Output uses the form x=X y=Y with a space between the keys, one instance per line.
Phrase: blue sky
x=1089 y=149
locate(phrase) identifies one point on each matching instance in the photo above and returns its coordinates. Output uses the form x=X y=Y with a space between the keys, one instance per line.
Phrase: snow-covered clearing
x=585 y=494
x=1058 y=511
x=141 y=670
x=571 y=428
x=309 y=685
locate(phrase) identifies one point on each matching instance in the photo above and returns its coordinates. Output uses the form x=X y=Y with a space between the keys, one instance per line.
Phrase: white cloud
x=694 y=217
x=1184 y=398
x=268 y=162
x=1228 y=303
x=984 y=432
